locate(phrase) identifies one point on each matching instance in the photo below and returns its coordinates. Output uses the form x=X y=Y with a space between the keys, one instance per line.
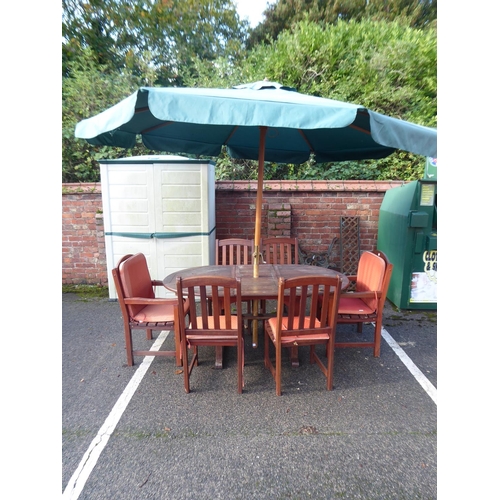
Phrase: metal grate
x=349 y=245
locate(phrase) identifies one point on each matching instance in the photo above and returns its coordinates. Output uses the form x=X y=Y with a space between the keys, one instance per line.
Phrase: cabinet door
x=183 y=216
x=128 y=213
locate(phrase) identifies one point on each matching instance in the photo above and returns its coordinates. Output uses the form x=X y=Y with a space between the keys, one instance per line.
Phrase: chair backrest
x=280 y=250
x=134 y=280
x=370 y=276
x=233 y=251
x=302 y=317
x=211 y=317
x=387 y=276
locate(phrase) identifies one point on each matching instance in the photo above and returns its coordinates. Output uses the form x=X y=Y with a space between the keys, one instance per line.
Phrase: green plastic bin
x=407 y=234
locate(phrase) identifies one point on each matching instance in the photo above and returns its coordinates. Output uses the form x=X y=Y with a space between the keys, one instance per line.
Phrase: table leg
x=218 y=357
x=255 y=325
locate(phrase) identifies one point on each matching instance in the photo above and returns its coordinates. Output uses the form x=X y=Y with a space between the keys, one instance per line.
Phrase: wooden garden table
x=263 y=287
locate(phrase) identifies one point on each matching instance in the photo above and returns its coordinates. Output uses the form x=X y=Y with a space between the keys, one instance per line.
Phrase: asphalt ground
x=373 y=437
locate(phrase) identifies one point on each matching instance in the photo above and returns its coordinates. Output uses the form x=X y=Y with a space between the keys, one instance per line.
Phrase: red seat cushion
x=155 y=313
x=349 y=305
x=273 y=324
x=222 y=322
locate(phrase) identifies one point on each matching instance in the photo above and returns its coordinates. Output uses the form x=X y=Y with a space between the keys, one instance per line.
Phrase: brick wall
x=83 y=252
x=315 y=210
x=279 y=220
x=308 y=210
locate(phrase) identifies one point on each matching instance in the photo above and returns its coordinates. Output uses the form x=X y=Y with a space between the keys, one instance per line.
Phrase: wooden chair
x=302 y=326
x=366 y=303
x=213 y=324
x=141 y=309
x=280 y=250
x=234 y=251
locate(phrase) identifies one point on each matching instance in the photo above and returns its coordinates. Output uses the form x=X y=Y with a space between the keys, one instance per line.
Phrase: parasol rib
x=230 y=135
x=301 y=132
x=359 y=129
x=160 y=125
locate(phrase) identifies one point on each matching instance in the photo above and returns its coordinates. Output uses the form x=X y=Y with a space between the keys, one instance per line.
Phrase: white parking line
x=421 y=378
x=82 y=472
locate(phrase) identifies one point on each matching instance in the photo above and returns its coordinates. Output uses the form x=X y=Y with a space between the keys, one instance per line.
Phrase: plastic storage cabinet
x=407 y=234
x=162 y=206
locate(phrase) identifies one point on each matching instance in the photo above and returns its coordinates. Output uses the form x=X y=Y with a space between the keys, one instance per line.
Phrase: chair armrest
x=146 y=301
x=136 y=301
x=157 y=283
x=362 y=295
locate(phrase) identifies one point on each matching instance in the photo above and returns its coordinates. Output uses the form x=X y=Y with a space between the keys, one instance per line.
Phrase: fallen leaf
x=308 y=429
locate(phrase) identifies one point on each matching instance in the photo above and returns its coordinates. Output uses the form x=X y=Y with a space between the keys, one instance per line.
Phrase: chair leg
x=263 y=307
x=249 y=312
x=329 y=377
x=149 y=334
x=241 y=362
x=178 y=347
x=185 y=361
x=266 y=348
x=278 y=370
x=312 y=349
x=360 y=327
x=377 y=339
x=128 y=343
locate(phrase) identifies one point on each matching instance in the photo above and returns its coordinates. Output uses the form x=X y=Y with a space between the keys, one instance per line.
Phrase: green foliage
x=89 y=89
x=86 y=292
x=401 y=165
x=171 y=32
x=227 y=168
x=284 y=14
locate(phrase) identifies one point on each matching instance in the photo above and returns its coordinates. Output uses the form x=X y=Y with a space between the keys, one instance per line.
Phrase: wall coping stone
x=81 y=187
x=312 y=185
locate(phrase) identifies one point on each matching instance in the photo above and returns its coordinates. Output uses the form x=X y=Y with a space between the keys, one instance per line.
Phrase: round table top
x=262 y=287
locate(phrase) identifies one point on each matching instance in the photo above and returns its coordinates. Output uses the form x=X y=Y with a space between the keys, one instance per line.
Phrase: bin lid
x=155 y=159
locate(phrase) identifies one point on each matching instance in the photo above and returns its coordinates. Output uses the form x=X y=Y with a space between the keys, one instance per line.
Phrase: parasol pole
x=258 y=203
x=258 y=215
